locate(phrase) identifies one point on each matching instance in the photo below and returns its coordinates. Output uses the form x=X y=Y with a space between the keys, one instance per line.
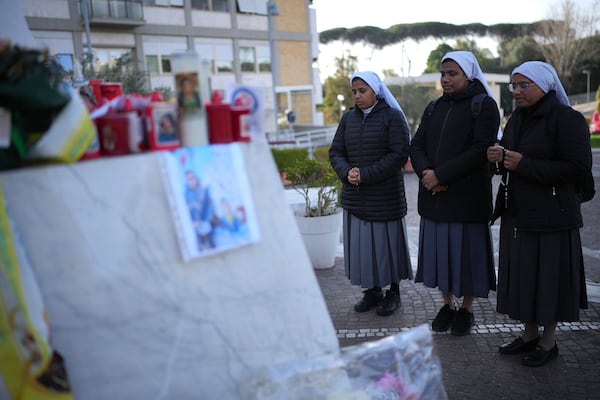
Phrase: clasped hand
x=510 y=159
x=354 y=176
x=431 y=182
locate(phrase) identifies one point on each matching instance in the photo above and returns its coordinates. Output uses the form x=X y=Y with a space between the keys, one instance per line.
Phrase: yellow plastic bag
x=29 y=368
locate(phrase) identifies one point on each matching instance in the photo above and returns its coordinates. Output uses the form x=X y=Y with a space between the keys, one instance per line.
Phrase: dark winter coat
x=555 y=142
x=378 y=144
x=453 y=142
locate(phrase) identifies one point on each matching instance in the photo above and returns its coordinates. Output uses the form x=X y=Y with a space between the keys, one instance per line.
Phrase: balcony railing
x=120 y=12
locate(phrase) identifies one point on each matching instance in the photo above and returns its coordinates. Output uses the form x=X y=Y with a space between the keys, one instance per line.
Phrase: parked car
x=595 y=123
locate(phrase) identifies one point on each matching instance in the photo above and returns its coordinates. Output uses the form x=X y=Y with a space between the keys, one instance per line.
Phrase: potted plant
x=308 y=176
x=320 y=220
x=287 y=157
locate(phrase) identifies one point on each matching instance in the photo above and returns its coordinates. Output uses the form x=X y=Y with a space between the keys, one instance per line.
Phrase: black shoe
x=370 y=299
x=540 y=356
x=389 y=304
x=518 y=346
x=463 y=321
x=443 y=319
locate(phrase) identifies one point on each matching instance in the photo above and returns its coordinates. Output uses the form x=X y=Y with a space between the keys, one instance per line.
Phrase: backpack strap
x=476 y=103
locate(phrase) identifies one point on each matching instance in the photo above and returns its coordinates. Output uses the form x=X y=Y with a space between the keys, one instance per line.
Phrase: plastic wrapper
x=399 y=367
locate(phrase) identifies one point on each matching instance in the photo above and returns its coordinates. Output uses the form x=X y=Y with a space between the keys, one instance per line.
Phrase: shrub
x=306 y=174
x=285 y=158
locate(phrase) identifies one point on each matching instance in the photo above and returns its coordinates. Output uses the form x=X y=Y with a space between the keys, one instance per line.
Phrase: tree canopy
x=379 y=38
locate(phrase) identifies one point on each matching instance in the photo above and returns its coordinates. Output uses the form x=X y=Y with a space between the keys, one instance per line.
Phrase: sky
x=409 y=58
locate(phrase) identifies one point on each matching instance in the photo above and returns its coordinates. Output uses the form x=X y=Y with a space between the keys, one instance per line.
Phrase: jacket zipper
x=442 y=130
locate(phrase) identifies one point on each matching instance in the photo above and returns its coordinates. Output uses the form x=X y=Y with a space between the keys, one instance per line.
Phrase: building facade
x=271 y=45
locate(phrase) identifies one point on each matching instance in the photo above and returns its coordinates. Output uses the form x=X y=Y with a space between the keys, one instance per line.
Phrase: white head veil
x=468 y=63
x=381 y=91
x=545 y=77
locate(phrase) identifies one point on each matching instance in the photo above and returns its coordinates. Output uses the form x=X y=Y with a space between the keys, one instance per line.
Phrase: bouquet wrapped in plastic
x=47 y=120
x=399 y=367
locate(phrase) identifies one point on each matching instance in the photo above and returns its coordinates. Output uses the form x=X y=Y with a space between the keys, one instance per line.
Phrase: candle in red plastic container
x=111 y=90
x=95 y=85
x=220 y=123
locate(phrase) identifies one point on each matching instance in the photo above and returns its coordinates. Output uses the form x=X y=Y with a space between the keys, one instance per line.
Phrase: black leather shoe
x=518 y=346
x=443 y=320
x=370 y=299
x=540 y=356
x=463 y=322
x=389 y=304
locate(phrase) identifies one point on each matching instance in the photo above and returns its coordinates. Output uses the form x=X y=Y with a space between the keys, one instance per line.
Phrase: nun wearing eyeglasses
x=544 y=151
x=448 y=153
x=368 y=152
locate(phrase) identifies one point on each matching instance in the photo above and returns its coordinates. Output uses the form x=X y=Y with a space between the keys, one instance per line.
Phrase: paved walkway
x=472 y=367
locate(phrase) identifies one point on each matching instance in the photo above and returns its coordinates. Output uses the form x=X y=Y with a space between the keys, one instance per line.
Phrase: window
x=168 y=3
x=252 y=6
x=211 y=5
x=218 y=51
x=200 y=5
x=152 y=64
x=65 y=61
x=165 y=64
x=224 y=58
x=255 y=57
x=220 y=5
x=247 y=59
x=106 y=58
x=264 y=58
x=158 y=52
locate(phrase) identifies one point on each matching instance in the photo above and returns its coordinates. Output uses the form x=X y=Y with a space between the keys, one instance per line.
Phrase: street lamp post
x=340 y=98
x=273 y=11
x=587 y=72
x=86 y=25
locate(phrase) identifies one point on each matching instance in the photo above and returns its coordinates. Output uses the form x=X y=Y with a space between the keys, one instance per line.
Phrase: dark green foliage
x=422 y=30
x=284 y=158
x=313 y=173
x=122 y=71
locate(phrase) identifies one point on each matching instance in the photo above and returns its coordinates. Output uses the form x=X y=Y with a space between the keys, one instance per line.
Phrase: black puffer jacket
x=378 y=144
x=453 y=143
x=555 y=142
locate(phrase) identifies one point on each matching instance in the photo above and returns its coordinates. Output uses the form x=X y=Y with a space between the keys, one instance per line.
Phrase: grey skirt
x=456 y=257
x=541 y=276
x=375 y=253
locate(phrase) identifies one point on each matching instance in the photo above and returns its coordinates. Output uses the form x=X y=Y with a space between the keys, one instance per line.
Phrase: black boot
x=371 y=298
x=389 y=303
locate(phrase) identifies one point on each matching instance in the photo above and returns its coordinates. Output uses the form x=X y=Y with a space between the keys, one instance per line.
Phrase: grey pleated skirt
x=456 y=257
x=375 y=253
x=541 y=276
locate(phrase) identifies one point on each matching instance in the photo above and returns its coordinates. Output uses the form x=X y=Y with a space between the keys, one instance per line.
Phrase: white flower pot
x=321 y=237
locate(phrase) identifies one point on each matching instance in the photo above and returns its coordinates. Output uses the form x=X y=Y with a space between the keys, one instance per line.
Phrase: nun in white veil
x=544 y=152
x=368 y=153
x=448 y=153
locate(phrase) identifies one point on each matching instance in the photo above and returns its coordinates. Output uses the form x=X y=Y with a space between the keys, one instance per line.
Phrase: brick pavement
x=472 y=367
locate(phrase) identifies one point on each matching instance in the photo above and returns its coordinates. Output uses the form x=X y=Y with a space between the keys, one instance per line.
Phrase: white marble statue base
x=130 y=318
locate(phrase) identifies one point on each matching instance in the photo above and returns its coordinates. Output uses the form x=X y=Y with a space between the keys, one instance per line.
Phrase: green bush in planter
x=285 y=158
x=306 y=174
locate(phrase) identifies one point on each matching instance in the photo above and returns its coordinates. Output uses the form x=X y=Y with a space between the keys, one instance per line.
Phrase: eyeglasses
x=521 y=85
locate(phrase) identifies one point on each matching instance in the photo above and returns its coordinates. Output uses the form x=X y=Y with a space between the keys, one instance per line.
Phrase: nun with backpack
x=545 y=161
x=448 y=154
